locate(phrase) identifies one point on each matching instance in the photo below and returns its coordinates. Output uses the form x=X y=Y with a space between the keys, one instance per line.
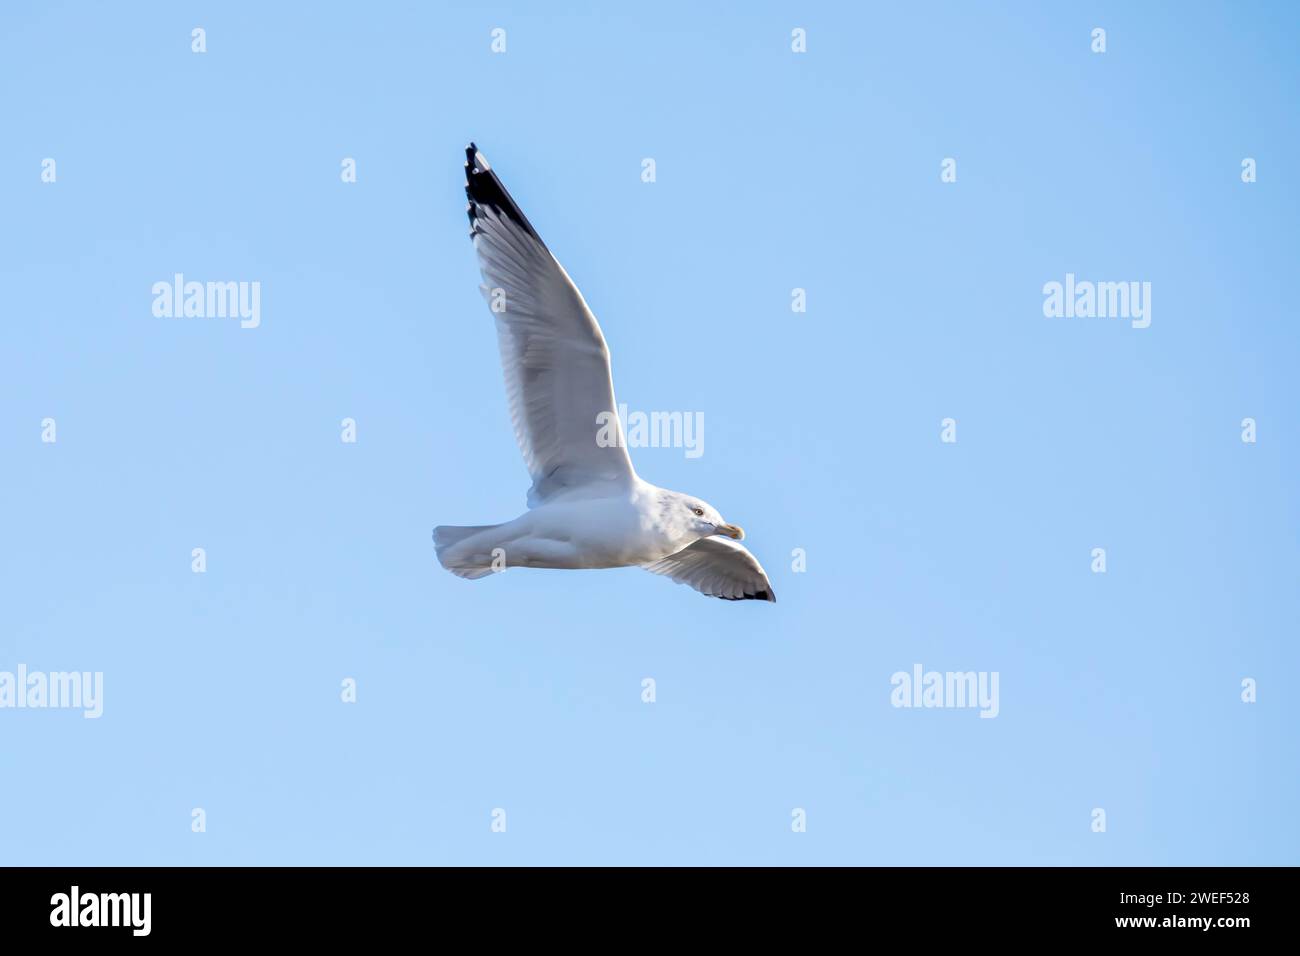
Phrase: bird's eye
x=698 y=511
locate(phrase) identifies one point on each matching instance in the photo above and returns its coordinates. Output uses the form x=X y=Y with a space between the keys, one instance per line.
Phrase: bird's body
x=588 y=528
x=588 y=507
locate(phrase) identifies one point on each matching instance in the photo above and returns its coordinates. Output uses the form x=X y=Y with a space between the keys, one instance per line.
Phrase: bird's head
x=703 y=519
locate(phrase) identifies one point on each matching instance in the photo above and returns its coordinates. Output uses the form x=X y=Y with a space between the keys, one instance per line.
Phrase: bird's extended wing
x=553 y=354
x=717 y=567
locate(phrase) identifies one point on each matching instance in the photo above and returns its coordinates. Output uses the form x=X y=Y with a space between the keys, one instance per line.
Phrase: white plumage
x=588 y=507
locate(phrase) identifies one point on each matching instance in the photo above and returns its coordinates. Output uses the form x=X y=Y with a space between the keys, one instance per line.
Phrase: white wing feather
x=718 y=567
x=553 y=354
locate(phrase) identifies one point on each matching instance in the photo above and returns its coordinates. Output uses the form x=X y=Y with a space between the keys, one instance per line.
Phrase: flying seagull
x=587 y=507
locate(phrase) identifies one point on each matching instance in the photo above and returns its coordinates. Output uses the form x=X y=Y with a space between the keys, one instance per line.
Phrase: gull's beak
x=731 y=531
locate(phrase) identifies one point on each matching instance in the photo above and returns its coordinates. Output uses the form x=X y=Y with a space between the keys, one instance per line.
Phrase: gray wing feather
x=717 y=567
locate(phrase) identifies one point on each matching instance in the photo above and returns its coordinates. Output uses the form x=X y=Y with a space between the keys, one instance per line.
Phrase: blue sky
x=774 y=171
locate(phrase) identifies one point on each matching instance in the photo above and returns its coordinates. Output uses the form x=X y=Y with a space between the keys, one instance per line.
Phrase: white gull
x=588 y=507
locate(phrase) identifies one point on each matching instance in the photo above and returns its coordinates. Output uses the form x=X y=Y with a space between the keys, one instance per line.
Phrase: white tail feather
x=445 y=539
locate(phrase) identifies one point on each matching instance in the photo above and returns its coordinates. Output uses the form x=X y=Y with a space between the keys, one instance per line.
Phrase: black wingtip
x=484 y=189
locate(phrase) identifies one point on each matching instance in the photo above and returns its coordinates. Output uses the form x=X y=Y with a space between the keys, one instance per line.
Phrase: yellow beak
x=731 y=531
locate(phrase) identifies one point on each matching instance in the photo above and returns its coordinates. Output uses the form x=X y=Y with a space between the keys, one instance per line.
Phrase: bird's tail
x=461 y=562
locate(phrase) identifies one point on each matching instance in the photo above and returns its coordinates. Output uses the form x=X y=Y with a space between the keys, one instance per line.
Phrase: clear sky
x=774 y=171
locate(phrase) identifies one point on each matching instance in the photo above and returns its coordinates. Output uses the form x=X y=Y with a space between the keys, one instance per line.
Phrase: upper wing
x=718 y=567
x=553 y=354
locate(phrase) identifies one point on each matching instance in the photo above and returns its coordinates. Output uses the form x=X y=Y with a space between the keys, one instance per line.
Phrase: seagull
x=588 y=508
